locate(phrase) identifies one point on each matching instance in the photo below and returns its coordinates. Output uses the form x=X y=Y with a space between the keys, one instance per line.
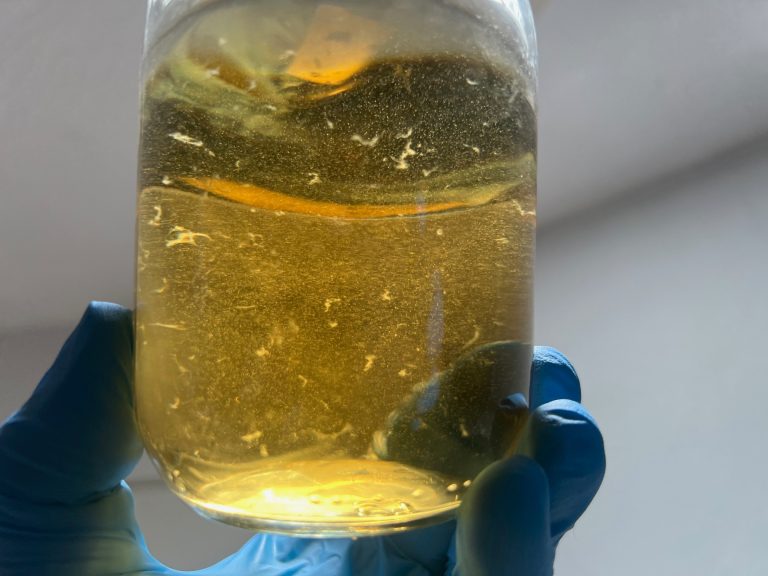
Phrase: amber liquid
x=334 y=268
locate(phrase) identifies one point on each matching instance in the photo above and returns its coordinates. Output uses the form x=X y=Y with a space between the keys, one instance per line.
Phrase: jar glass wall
x=336 y=226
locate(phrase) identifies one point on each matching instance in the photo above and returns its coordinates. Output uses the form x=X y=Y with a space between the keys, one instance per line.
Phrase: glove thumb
x=75 y=439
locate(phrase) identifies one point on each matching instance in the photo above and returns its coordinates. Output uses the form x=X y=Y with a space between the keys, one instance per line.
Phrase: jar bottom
x=329 y=498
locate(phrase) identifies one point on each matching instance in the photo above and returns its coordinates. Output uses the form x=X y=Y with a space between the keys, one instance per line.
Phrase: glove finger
x=426 y=547
x=552 y=377
x=75 y=438
x=277 y=555
x=565 y=440
x=503 y=526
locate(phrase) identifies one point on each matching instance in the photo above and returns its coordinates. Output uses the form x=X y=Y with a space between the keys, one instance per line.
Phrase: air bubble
x=404 y=508
x=371 y=510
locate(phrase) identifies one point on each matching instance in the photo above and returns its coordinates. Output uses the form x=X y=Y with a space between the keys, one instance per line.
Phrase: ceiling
x=629 y=92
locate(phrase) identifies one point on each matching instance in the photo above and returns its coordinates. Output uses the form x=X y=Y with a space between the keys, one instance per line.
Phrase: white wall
x=662 y=304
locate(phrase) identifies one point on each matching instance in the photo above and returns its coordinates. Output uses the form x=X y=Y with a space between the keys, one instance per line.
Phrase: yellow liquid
x=334 y=268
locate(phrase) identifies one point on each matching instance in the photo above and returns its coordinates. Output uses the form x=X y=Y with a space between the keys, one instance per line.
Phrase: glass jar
x=336 y=226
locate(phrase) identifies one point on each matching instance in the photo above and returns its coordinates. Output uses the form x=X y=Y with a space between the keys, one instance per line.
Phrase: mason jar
x=336 y=224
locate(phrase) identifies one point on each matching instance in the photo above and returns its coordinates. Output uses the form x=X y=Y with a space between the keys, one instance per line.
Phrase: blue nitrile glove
x=64 y=509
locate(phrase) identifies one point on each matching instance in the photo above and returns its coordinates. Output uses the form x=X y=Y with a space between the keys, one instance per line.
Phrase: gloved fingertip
x=503 y=526
x=553 y=377
x=101 y=311
x=564 y=412
x=565 y=440
x=515 y=401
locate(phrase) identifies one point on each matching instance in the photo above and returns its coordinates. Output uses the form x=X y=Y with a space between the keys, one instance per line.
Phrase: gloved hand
x=65 y=510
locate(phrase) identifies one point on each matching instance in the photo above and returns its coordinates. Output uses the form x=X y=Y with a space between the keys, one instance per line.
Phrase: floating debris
x=184 y=139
